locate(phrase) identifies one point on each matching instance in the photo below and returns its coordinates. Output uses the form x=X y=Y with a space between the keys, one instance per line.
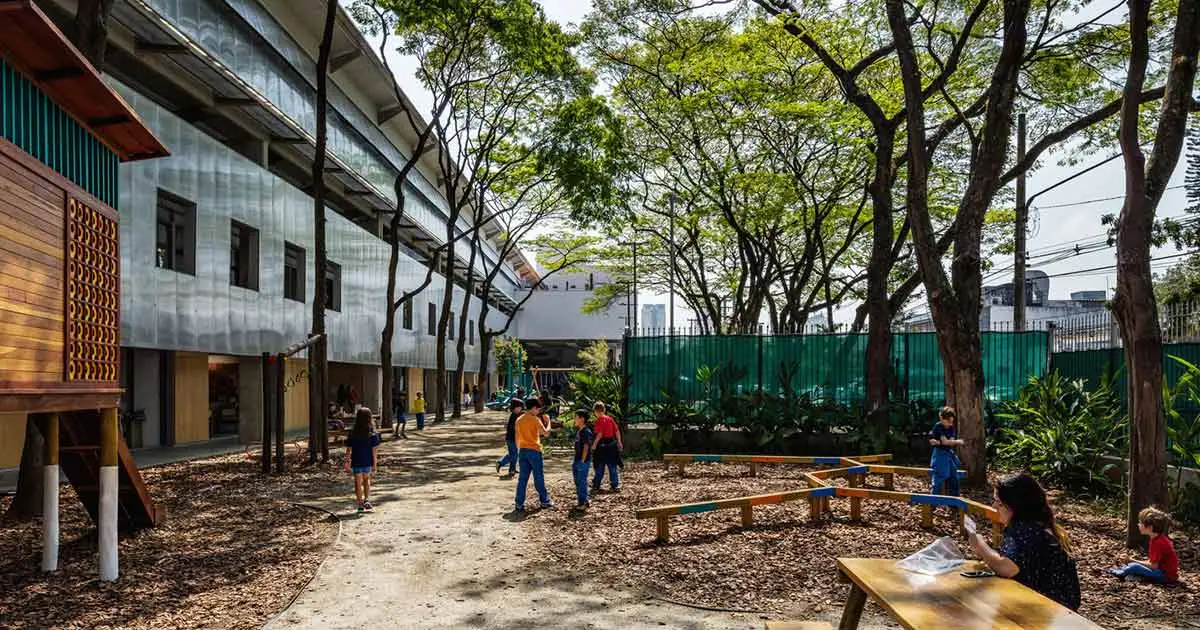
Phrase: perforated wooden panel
x=93 y=295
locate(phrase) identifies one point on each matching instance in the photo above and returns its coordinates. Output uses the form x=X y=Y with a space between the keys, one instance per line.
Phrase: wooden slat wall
x=191 y=397
x=12 y=439
x=31 y=276
x=295 y=395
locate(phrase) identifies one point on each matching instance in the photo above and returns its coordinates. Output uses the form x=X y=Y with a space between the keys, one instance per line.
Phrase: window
x=408 y=325
x=333 y=286
x=432 y=318
x=293 y=272
x=243 y=256
x=450 y=327
x=175 y=236
x=471 y=330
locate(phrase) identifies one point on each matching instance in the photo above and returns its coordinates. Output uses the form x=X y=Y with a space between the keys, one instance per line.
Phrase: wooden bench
x=745 y=504
x=681 y=460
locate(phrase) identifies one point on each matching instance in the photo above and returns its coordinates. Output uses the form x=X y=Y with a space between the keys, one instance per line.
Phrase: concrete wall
x=146 y=375
x=250 y=400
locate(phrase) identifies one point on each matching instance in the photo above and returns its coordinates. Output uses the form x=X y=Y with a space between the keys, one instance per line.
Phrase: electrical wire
x=1102 y=199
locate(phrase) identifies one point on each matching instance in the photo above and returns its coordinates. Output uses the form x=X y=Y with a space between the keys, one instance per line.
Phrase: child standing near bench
x=360 y=456
x=1162 y=566
x=583 y=452
x=943 y=462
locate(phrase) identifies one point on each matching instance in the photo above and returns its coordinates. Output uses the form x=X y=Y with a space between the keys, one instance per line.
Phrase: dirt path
x=438 y=552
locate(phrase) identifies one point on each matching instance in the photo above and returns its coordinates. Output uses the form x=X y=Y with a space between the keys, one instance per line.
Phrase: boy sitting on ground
x=1162 y=567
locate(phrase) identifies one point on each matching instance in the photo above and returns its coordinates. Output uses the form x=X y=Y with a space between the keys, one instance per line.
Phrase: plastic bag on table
x=941 y=556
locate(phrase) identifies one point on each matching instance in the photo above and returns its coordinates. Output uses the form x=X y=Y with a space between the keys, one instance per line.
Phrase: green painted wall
x=30 y=120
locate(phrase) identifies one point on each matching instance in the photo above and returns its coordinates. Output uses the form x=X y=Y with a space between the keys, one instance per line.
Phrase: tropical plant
x=588 y=388
x=594 y=357
x=1063 y=433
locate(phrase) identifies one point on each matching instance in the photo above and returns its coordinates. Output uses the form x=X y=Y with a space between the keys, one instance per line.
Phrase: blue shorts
x=360 y=470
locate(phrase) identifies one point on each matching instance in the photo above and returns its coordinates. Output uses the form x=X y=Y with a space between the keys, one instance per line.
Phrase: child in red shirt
x=606 y=450
x=1163 y=564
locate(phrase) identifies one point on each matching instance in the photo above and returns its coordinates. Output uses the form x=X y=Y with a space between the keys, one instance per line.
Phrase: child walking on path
x=943 y=462
x=583 y=452
x=1162 y=567
x=419 y=410
x=510 y=438
x=360 y=456
x=530 y=428
x=398 y=407
x=606 y=449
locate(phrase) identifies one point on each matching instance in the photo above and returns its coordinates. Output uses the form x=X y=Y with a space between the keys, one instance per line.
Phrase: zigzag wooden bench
x=819 y=491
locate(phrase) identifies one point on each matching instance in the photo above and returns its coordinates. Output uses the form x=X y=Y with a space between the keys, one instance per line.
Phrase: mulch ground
x=231 y=553
x=784 y=566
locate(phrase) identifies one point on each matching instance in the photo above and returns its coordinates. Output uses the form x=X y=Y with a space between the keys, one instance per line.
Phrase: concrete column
x=250 y=400
x=50 y=495
x=372 y=388
x=109 y=478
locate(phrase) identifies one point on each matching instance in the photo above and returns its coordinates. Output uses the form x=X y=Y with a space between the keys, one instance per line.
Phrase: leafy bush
x=1061 y=433
x=587 y=388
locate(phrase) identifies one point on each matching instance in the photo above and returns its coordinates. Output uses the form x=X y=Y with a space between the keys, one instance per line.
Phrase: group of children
x=597 y=443
x=1162 y=563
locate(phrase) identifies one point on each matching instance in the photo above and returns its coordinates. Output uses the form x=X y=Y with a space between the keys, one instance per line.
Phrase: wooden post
x=109 y=479
x=50 y=494
x=855 y=481
x=280 y=408
x=268 y=398
x=680 y=466
x=927 y=516
x=814 y=508
x=852 y=613
x=664 y=531
x=747 y=516
x=753 y=469
x=889 y=481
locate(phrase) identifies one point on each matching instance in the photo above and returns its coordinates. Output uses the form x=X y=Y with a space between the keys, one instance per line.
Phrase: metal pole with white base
x=109 y=478
x=50 y=495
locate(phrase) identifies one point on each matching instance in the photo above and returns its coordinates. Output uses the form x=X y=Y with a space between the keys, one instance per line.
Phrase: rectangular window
x=471 y=331
x=407 y=321
x=452 y=325
x=293 y=272
x=333 y=286
x=243 y=256
x=432 y=319
x=175 y=235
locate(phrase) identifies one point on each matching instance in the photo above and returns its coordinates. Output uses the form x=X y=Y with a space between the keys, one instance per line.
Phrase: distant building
x=996 y=310
x=653 y=316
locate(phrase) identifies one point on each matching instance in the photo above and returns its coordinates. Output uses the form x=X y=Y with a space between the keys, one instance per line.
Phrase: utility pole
x=1019 y=237
x=635 y=289
x=671 y=271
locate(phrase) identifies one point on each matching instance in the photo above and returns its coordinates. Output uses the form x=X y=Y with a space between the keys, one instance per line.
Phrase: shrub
x=1061 y=433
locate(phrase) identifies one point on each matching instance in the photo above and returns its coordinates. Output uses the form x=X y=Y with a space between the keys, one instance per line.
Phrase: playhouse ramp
x=79 y=460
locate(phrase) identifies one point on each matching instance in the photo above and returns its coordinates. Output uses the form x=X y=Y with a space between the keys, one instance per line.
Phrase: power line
x=1090 y=201
x=1082 y=272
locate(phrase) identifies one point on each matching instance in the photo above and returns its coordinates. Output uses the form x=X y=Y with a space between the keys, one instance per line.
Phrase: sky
x=1065 y=215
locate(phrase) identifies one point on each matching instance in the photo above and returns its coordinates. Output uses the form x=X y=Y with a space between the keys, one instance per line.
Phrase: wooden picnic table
x=950 y=600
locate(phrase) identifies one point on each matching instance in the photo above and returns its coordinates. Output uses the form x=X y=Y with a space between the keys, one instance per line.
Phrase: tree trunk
x=962 y=359
x=463 y=317
x=443 y=326
x=879 y=314
x=1134 y=306
x=318 y=353
x=389 y=324
x=27 y=504
x=91 y=30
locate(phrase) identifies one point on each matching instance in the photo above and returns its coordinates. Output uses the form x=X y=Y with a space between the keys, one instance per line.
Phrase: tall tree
x=1134 y=305
x=318 y=354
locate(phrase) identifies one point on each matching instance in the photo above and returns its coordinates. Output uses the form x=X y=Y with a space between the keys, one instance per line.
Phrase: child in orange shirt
x=530 y=428
x=1163 y=564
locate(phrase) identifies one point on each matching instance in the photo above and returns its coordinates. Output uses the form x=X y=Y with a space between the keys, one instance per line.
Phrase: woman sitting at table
x=1035 y=551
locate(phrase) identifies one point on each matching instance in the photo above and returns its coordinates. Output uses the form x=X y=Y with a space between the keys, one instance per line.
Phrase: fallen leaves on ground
x=231 y=553
x=784 y=565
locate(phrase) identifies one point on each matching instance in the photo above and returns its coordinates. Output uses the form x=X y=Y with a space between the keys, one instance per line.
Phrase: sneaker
x=368 y=507
x=520 y=509
x=549 y=505
x=361 y=507
x=498 y=467
x=616 y=491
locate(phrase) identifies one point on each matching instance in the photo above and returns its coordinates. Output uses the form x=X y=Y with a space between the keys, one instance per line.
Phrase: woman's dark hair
x=515 y=404
x=1027 y=500
x=362 y=423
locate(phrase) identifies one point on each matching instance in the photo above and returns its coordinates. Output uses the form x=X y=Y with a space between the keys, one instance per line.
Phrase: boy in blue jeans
x=579 y=465
x=530 y=428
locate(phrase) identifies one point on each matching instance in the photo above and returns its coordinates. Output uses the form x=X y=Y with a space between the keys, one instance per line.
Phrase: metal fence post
x=907 y=375
x=760 y=362
x=626 y=378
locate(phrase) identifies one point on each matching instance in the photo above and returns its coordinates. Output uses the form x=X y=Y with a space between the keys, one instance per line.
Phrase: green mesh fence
x=822 y=366
x=1093 y=365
